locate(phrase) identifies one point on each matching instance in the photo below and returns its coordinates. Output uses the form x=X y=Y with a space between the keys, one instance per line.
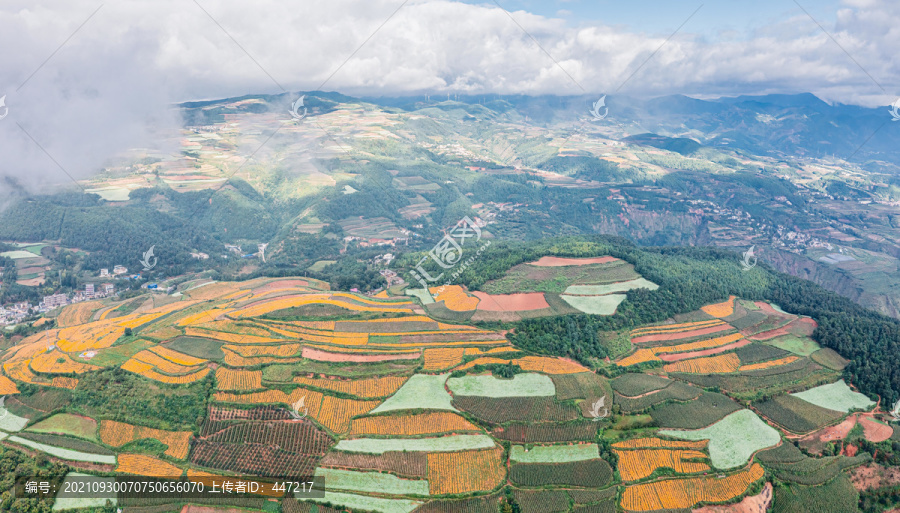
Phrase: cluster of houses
x=91 y=291
x=15 y=313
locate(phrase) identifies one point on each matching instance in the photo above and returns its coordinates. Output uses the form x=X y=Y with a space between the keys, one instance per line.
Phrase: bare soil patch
x=519 y=302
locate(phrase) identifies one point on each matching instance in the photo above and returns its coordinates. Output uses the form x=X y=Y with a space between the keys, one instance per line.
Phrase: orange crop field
x=147 y=370
x=454 y=298
x=7 y=386
x=235 y=360
x=728 y=362
x=652 y=442
x=77 y=313
x=142 y=465
x=57 y=362
x=637 y=464
x=465 y=471
x=164 y=365
x=94 y=335
x=272 y=305
x=199 y=317
x=228 y=379
x=639 y=356
x=281 y=350
x=771 y=363
x=675 y=335
x=20 y=371
x=719 y=310
x=685 y=493
x=63 y=382
x=650 y=354
x=366 y=388
x=229 y=326
x=310 y=325
x=668 y=328
x=118 y=434
x=176 y=357
x=412 y=425
x=332 y=412
x=441 y=358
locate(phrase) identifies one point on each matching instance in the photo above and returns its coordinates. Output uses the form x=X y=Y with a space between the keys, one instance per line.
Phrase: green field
x=795 y=414
x=17 y=254
x=733 y=439
x=422 y=294
x=64 y=503
x=707 y=409
x=320 y=265
x=66 y=454
x=802 y=346
x=356 y=481
x=521 y=385
x=633 y=384
x=836 y=396
x=600 y=290
x=367 y=503
x=420 y=391
x=67 y=424
x=554 y=453
x=595 y=305
x=198 y=347
x=442 y=444
x=828 y=357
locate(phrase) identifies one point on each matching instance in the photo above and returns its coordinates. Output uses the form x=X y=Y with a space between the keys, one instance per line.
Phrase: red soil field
x=552 y=261
x=324 y=356
x=520 y=302
x=799 y=327
x=850 y=450
x=681 y=334
x=674 y=357
x=838 y=432
x=875 y=431
x=767 y=308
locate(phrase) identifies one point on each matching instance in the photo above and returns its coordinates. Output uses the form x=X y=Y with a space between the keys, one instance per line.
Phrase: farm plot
x=326 y=356
x=255 y=459
x=65 y=442
x=590 y=473
x=795 y=414
x=441 y=444
x=544 y=364
x=835 y=496
x=230 y=379
x=728 y=362
x=531 y=409
x=355 y=481
x=734 y=439
x=368 y=388
x=465 y=471
x=609 y=288
x=118 y=434
x=836 y=396
x=635 y=384
x=521 y=385
x=676 y=391
x=411 y=464
x=637 y=464
x=704 y=411
x=411 y=425
x=542 y=501
x=421 y=391
x=595 y=305
x=801 y=346
x=685 y=493
x=63 y=502
x=356 y=502
x=66 y=454
x=554 y=453
x=829 y=358
x=580 y=385
x=299 y=437
x=479 y=504
x=708 y=346
x=545 y=432
x=664 y=335
x=719 y=310
x=68 y=424
x=756 y=353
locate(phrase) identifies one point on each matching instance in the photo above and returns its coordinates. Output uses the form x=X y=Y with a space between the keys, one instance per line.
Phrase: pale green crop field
x=733 y=439
x=521 y=385
x=554 y=453
x=836 y=396
x=442 y=444
x=595 y=305
x=420 y=391
x=366 y=503
x=356 y=481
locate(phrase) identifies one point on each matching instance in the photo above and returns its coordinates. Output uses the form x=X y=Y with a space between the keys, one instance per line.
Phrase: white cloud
x=135 y=57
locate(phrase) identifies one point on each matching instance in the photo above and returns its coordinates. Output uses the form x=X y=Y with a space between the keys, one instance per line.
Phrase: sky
x=83 y=79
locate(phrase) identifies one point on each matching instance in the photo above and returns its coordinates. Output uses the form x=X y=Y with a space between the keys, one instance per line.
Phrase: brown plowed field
x=519 y=302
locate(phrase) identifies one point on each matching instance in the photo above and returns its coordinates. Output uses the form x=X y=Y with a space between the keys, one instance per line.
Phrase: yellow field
x=164 y=365
x=465 y=471
x=7 y=386
x=652 y=442
x=332 y=412
x=20 y=371
x=228 y=379
x=234 y=338
x=118 y=434
x=142 y=465
x=771 y=363
x=719 y=310
x=685 y=493
x=728 y=362
x=674 y=328
x=368 y=388
x=273 y=305
x=147 y=370
x=443 y=357
x=94 y=335
x=77 y=313
x=649 y=354
x=57 y=362
x=637 y=464
x=454 y=298
x=233 y=359
x=281 y=350
x=229 y=326
x=412 y=425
